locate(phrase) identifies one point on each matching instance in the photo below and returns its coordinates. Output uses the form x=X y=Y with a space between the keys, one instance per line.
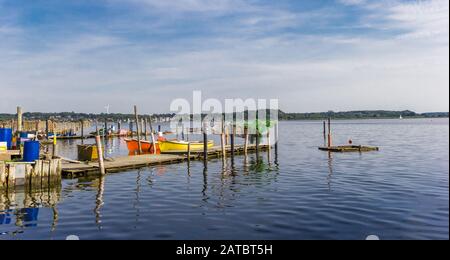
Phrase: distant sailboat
x=401 y=117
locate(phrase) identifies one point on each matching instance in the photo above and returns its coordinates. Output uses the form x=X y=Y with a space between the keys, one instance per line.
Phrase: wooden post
x=138 y=130
x=101 y=164
x=325 y=133
x=222 y=139
x=11 y=176
x=152 y=136
x=2 y=175
x=233 y=130
x=269 y=147
x=82 y=129
x=330 y=142
x=205 y=146
x=119 y=126
x=257 y=135
x=145 y=128
x=19 y=119
x=37 y=128
x=245 y=140
x=105 y=131
x=55 y=146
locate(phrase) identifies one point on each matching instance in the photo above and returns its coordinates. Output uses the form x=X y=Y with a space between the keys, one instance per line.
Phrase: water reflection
x=99 y=202
x=21 y=207
x=330 y=170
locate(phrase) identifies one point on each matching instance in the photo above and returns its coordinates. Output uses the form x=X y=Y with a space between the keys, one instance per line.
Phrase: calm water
x=400 y=192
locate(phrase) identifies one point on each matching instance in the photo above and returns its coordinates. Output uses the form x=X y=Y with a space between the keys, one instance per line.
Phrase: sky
x=312 y=55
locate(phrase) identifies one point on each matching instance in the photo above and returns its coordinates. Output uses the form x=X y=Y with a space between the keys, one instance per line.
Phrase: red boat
x=147 y=147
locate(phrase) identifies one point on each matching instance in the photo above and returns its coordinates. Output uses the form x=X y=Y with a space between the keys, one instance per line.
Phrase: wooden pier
x=73 y=170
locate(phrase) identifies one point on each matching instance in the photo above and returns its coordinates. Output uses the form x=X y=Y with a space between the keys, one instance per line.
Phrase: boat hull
x=180 y=146
x=146 y=146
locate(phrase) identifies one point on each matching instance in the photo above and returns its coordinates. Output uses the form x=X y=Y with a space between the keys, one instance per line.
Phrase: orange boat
x=147 y=147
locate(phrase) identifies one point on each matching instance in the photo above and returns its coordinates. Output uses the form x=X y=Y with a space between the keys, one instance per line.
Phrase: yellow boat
x=181 y=146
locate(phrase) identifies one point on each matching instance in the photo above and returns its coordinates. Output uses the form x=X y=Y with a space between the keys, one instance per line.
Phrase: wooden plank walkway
x=140 y=161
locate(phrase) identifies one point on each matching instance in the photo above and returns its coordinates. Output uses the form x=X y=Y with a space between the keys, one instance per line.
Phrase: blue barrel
x=6 y=136
x=31 y=151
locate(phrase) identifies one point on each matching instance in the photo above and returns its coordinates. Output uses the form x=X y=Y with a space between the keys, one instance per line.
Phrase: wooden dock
x=73 y=170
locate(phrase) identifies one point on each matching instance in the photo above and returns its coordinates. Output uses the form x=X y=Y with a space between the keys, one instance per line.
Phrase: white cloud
x=352 y=2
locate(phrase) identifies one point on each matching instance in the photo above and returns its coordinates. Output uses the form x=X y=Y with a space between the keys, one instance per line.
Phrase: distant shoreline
x=282 y=116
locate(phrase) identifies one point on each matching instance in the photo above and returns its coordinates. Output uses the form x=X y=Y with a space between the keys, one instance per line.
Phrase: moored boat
x=146 y=146
x=181 y=146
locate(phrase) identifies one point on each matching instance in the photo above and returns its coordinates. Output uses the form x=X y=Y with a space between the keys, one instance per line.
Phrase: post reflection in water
x=330 y=170
x=136 y=204
x=99 y=202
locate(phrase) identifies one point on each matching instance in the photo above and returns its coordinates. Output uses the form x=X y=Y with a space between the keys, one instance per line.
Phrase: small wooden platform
x=349 y=148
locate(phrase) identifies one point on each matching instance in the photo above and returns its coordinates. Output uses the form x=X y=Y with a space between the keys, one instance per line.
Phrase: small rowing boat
x=146 y=146
x=181 y=146
x=349 y=148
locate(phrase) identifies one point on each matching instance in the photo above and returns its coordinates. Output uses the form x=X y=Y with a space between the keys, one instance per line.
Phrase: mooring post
x=222 y=139
x=205 y=146
x=82 y=129
x=325 y=133
x=138 y=129
x=269 y=144
x=2 y=175
x=101 y=164
x=119 y=126
x=330 y=142
x=233 y=129
x=55 y=146
x=257 y=136
x=19 y=119
x=152 y=135
x=105 y=131
x=245 y=140
x=145 y=128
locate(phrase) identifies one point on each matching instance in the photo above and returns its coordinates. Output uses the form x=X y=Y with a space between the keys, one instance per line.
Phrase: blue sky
x=316 y=55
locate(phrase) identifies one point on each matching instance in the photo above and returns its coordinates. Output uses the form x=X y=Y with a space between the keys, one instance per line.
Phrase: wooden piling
x=82 y=129
x=232 y=140
x=138 y=129
x=45 y=174
x=325 y=133
x=2 y=175
x=105 y=130
x=269 y=144
x=257 y=136
x=246 y=140
x=330 y=142
x=36 y=175
x=55 y=146
x=205 y=146
x=11 y=176
x=145 y=128
x=152 y=135
x=101 y=163
x=19 y=119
